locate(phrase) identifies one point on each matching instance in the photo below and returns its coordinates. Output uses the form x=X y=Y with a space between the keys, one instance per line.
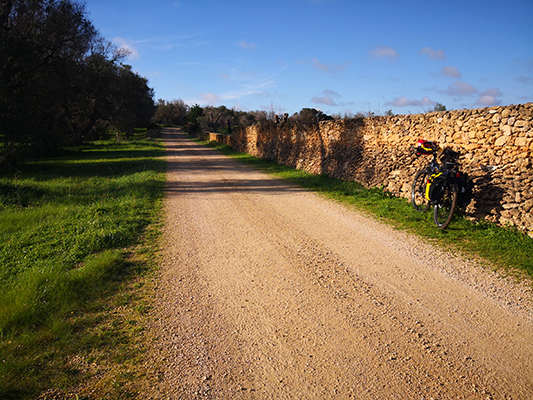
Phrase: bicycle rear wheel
x=418 y=192
x=443 y=211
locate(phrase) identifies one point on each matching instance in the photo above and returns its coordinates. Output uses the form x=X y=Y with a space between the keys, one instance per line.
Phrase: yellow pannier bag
x=434 y=187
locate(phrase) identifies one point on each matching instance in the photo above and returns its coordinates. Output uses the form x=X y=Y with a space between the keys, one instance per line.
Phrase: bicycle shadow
x=487 y=197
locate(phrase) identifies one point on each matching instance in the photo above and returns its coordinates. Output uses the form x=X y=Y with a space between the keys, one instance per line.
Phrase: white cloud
x=234 y=75
x=384 y=52
x=405 y=102
x=238 y=94
x=451 y=71
x=433 y=54
x=166 y=43
x=210 y=98
x=328 y=68
x=488 y=97
x=246 y=45
x=191 y=64
x=318 y=65
x=460 y=88
x=331 y=93
x=327 y=98
x=524 y=79
x=324 y=100
x=127 y=45
x=487 y=101
x=492 y=92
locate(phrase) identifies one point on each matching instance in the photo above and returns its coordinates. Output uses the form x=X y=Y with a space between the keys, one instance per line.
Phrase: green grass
x=75 y=232
x=506 y=248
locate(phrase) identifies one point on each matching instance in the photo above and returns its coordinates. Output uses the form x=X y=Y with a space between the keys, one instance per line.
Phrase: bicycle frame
x=444 y=206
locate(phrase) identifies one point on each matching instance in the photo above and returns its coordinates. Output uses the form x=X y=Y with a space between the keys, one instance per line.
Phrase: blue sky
x=338 y=56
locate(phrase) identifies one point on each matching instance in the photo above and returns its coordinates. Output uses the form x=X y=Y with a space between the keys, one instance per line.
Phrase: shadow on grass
x=106 y=163
x=75 y=178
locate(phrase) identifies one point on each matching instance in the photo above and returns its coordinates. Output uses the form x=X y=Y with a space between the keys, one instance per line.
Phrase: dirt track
x=268 y=291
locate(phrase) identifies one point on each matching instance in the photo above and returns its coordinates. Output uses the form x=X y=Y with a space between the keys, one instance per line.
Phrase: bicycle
x=440 y=185
x=418 y=190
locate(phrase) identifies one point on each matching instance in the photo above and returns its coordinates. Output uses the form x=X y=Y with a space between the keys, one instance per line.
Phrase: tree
x=171 y=113
x=310 y=116
x=41 y=45
x=59 y=79
x=194 y=113
x=217 y=119
x=243 y=118
x=439 y=107
x=133 y=101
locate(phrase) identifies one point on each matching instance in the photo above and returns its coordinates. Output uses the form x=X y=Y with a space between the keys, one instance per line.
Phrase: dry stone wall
x=496 y=146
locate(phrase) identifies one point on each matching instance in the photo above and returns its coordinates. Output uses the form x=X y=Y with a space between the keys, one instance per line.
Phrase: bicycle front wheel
x=443 y=211
x=418 y=192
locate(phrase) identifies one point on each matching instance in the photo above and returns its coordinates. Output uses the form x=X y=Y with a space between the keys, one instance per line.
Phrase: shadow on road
x=211 y=167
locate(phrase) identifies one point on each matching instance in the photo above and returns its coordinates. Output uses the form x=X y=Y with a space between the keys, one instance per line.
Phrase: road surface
x=268 y=291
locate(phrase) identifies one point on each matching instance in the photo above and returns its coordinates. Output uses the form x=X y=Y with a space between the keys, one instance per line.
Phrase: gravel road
x=267 y=291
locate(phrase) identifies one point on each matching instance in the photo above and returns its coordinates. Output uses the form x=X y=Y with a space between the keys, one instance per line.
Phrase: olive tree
x=59 y=78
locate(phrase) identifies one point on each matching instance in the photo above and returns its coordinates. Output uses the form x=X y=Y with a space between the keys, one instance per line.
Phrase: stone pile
x=496 y=147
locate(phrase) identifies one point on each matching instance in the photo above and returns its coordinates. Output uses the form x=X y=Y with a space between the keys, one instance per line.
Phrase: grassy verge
x=77 y=240
x=506 y=248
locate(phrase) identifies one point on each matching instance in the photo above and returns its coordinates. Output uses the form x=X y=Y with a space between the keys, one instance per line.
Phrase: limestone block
x=515 y=213
x=510 y=206
x=406 y=187
x=501 y=141
x=507 y=130
x=527 y=206
x=522 y=142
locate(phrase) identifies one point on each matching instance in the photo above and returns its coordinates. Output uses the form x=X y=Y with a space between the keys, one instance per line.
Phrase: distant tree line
x=195 y=118
x=61 y=83
x=222 y=119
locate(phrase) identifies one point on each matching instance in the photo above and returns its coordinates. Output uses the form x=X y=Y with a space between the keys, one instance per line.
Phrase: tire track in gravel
x=269 y=291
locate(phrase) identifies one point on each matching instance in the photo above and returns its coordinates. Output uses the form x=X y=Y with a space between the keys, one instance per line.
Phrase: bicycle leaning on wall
x=440 y=185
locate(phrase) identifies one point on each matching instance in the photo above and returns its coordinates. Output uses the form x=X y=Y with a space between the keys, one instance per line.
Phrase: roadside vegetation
x=78 y=237
x=508 y=249
x=62 y=84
